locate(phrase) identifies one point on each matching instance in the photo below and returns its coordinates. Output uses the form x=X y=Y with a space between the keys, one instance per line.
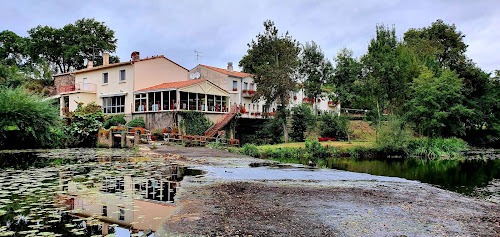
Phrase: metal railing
x=88 y=87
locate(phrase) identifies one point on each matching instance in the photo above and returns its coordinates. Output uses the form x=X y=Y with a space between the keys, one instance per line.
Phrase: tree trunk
x=285 y=131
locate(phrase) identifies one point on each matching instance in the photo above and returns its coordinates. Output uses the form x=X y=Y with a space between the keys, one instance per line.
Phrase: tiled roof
x=176 y=84
x=119 y=64
x=226 y=72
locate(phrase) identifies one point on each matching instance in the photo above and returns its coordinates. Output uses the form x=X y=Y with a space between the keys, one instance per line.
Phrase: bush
x=82 y=125
x=250 y=150
x=137 y=122
x=302 y=121
x=27 y=121
x=195 y=123
x=393 y=136
x=315 y=150
x=114 y=120
x=333 y=126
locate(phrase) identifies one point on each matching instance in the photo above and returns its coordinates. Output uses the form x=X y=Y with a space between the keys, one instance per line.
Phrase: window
x=105 y=78
x=245 y=86
x=140 y=102
x=122 y=215
x=154 y=100
x=104 y=210
x=122 y=75
x=66 y=101
x=113 y=105
x=235 y=85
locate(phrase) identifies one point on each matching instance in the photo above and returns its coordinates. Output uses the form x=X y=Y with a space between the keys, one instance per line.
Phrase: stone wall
x=157 y=120
x=63 y=80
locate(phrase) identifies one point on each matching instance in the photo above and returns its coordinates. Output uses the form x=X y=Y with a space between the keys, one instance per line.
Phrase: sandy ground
x=233 y=198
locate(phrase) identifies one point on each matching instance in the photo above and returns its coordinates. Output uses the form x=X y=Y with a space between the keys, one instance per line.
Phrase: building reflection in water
x=134 y=202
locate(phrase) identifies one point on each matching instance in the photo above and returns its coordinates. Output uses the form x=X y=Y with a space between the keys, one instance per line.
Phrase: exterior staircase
x=222 y=121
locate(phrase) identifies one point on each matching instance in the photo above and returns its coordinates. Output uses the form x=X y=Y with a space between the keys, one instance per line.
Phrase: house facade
x=154 y=88
x=242 y=87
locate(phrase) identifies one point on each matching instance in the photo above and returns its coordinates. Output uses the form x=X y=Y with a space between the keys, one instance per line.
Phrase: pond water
x=86 y=192
x=476 y=174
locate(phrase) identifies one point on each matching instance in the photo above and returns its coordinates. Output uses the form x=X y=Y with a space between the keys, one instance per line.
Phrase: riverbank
x=241 y=195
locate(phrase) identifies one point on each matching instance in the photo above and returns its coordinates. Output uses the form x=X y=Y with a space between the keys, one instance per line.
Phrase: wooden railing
x=222 y=121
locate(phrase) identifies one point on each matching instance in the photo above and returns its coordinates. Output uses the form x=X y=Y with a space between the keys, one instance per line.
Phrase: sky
x=221 y=29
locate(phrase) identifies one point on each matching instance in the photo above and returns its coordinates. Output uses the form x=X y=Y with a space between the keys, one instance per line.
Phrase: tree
x=67 y=47
x=388 y=69
x=273 y=61
x=315 y=69
x=437 y=106
x=302 y=120
x=441 y=41
x=346 y=80
x=11 y=48
x=82 y=125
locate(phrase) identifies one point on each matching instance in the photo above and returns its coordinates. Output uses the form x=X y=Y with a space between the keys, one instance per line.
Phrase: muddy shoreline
x=234 y=199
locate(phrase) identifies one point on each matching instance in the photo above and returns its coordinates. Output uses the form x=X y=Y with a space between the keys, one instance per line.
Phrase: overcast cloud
x=221 y=29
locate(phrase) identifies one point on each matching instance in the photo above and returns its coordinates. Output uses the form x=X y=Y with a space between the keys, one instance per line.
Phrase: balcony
x=247 y=93
x=78 y=87
x=333 y=104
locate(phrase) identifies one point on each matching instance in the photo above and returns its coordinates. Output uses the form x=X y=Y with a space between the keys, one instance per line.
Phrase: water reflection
x=473 y=177
x=107 y=195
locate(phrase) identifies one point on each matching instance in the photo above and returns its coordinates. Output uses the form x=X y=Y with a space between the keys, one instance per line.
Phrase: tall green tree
x=11 y=48
x=346 y=81
x=388 y=68
x=437 y=106
x=67 y=47
x=273 y=60
x=315 y=69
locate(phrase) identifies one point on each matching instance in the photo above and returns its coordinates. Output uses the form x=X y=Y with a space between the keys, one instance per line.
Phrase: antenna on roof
x=197 y=55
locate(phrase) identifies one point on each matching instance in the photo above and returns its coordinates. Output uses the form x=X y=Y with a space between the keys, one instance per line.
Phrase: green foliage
x=216 y=145
x=393 y=136
x=315 y=69
x=315 y=150
x=27 y=121
x=437 y=106
x=272 y=59
x=250 y=150
x=333 y=126
x=82 y=125
x=68 y=46
x=347 y=81
x=435 y=147
x=302 y=121
x=195 y=122
x=114 y=120
x=272 y=131
x=137 y=122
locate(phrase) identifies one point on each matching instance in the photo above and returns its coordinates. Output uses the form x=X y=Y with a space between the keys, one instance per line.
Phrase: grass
x=338 y=145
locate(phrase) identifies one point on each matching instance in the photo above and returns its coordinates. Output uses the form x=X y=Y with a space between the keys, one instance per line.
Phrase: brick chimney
x=230 y=66
x=135 y=56
x=90 y=63
x=105 y=59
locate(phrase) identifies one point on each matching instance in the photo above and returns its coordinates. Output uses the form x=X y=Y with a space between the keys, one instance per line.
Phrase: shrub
x=195 y=123
x=250 y=150
x=315 y=150
x=82 y=125
x=302 y=121
x=27 y=121
x=393 y=136
x=114 y=120
x=137 y=122
x=333 y=126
